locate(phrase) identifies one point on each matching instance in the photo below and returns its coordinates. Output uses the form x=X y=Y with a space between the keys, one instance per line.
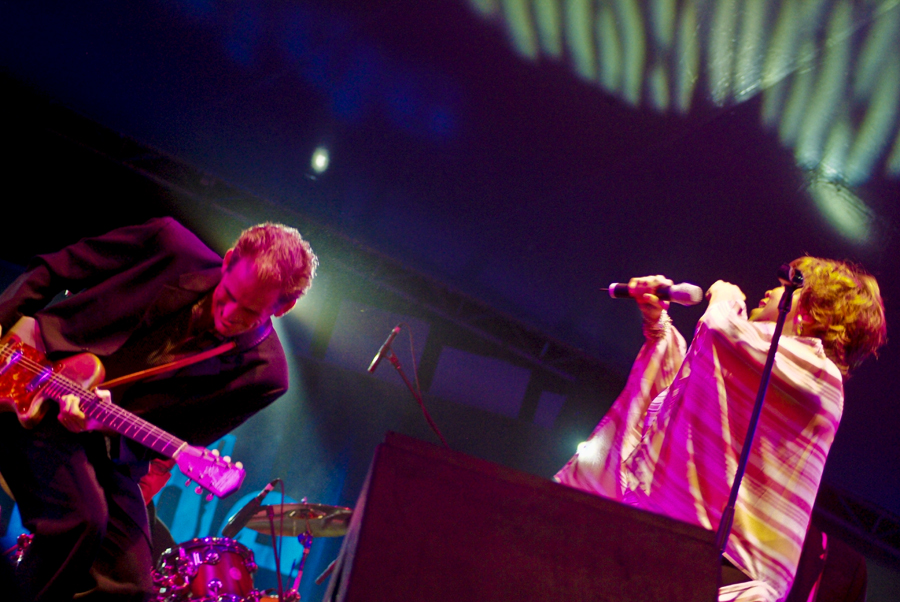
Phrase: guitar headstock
x=210 y=471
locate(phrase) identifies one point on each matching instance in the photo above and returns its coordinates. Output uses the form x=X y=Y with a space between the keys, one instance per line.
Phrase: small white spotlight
x=319 y=161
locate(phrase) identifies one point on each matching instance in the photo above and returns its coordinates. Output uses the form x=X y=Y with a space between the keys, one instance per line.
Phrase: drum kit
x=219 y=569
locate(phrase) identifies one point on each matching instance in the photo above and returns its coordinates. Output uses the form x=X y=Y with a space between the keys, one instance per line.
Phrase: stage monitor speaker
x=434 y=525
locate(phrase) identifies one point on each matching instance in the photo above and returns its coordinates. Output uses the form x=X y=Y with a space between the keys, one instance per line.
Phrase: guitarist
x=142 y=296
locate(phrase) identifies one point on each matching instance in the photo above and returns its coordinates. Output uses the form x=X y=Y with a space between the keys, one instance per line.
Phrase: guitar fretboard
x=56 y=386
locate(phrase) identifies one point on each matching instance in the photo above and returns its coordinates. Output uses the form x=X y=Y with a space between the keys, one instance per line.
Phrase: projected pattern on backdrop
x=828 y=72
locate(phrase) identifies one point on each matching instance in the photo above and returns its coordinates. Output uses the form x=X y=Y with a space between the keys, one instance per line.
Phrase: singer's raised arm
x=597 y=466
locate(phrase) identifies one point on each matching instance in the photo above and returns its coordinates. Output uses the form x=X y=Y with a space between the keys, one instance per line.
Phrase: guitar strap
x=176 y=365
x=261 y=333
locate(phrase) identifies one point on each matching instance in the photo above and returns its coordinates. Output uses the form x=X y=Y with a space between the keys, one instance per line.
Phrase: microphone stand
x=792 y=280
x=396 y=363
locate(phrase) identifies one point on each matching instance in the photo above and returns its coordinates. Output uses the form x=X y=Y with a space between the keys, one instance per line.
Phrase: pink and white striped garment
x=671 y=441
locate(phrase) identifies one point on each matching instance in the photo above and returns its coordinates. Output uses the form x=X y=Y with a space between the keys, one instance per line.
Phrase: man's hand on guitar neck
x=71 y=416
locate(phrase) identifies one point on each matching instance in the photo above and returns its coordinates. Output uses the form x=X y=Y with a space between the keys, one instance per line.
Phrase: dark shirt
x=136 y=288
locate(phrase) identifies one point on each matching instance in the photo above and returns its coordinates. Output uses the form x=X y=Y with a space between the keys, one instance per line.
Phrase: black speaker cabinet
x=434 y=525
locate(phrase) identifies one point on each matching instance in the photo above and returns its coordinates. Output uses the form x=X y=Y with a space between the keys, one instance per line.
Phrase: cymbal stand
x=305 y=540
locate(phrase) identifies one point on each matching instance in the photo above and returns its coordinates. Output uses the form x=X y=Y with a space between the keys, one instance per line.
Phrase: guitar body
x=21 y=387
x=28 y=379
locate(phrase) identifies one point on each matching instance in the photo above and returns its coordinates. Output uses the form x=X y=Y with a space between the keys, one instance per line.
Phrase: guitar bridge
x=38 y=381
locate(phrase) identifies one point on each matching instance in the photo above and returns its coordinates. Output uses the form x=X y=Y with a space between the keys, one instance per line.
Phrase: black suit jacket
x=139 y=276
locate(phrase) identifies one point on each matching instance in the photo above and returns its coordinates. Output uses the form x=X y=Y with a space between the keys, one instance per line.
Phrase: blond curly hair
x=844 y=303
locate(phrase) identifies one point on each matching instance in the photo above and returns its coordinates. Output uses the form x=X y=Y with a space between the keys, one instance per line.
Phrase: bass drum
x=207 y=569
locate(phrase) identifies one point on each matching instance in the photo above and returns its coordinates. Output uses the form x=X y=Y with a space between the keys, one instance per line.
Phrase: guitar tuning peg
x=239 y=465
x=187 y=483
x=198 y=490
x=209 y=497
x=227 y=458
x=215 y=452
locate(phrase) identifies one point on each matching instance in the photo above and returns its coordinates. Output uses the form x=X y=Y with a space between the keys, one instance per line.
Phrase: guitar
x=28 y=379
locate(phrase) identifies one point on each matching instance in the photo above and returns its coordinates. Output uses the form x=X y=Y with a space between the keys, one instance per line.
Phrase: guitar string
x=62 y=384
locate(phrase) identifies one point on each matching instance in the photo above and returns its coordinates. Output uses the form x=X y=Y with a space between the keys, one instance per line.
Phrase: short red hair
x=280 y=256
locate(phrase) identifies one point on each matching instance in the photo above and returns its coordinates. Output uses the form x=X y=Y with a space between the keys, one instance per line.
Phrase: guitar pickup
x=14 y=357
x=38 y=381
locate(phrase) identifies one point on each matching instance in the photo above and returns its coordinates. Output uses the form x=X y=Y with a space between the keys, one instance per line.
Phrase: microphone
x=790 y=275
x=384 y=349
x=683 y=294
x=243 y=516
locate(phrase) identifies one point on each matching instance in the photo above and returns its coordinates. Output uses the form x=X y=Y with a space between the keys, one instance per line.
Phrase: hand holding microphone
x=654 y=294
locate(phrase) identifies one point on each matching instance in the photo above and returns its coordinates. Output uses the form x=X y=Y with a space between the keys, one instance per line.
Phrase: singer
x=671 y=441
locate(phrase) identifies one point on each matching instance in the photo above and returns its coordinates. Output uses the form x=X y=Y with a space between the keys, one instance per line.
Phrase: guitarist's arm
x=81 y=265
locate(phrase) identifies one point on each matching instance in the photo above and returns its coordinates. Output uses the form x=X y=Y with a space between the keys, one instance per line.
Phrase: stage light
x=320 y=159
x=609 y=48
x=687 y=50
x=634 y=50
x=580 y=37
x=873 y=137
x=750 y=53
x=827 y=98
x=846 y=212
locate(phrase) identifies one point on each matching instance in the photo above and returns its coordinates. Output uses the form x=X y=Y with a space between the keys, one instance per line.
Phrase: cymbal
x=317 y=519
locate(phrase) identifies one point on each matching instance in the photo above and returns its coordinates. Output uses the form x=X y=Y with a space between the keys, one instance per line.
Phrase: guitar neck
x=116 y=418
x=26 y=376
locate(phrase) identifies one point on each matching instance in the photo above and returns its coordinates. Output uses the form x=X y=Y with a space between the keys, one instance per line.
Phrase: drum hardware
x=22 y=543
x=219 y=569
x=293 y=520
x=304 y=521
x=306 y=541
x=16 y=552
x=208 y=569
